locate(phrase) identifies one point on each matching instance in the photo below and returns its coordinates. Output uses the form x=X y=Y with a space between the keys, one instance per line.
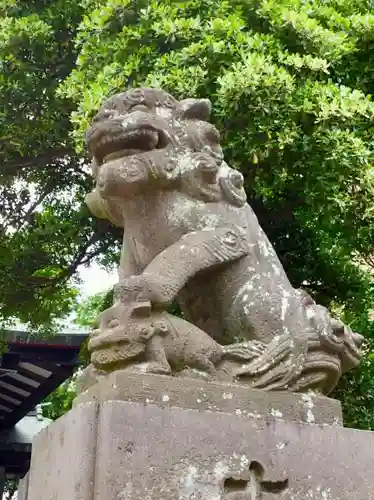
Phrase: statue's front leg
x=170 y=270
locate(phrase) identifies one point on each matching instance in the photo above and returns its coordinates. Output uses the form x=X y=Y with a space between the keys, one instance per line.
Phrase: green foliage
x=11 y=486
x=356 y=392
x=89 y=309
x=87 y=313
x=291 y=84
x=278 y=76
x=60 y=400
x=46 y=231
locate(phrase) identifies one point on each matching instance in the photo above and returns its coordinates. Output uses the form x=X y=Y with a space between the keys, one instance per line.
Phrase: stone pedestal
x=23 y=488
x=140 y=437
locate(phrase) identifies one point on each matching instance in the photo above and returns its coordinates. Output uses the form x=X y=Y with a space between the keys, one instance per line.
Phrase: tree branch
x=43 y=159
x=26 y=217
x=104 y=226
x=80 y=258
x=369 y=260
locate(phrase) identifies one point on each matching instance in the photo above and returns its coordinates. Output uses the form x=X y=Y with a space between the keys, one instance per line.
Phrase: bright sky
x=95 y=280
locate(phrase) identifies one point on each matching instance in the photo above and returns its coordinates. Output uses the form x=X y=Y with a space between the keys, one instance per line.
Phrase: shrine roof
x=33 y=367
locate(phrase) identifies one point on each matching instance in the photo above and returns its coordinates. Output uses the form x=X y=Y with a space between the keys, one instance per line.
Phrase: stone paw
x=139 y=288
x=152 y=367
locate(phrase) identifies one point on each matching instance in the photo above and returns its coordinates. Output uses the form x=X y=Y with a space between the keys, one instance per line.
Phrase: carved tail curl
x=244 y=351
x=269 y=370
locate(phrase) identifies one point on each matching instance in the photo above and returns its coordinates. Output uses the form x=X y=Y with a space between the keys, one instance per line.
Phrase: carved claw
x=152 y=367
x=142 y=289
x=160 y=327
x=145 y=333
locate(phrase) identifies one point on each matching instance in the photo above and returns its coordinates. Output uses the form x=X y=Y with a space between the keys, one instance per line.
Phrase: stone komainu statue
x=190 y=236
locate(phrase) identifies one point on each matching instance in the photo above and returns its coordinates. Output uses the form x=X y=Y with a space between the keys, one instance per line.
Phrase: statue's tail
x=277 y=367
x=244 y=351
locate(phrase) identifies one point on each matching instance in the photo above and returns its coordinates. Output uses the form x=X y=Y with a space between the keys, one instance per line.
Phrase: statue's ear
x=100 y=209
x=94 y=168
x=195 y=109
x=96 y=205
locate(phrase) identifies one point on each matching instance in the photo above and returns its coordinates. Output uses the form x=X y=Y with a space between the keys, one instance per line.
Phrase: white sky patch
x=95 y=279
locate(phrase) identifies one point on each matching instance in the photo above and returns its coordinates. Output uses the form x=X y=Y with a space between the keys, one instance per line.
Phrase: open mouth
x=113 y=145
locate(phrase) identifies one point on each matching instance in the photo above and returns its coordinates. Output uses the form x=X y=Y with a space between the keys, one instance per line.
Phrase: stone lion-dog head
x=173 y=138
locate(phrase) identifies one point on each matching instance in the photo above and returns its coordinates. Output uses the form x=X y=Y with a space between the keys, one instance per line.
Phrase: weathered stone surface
x=213 y=396
x=23 y=488
x=190 y=236
x=63 y=457
x=175 y=447
x=148 y=452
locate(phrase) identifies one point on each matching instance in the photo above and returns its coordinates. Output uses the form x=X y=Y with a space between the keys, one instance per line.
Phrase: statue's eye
x=113 y=323
x=104 y=114
x=212 y=135
x=139 y=107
